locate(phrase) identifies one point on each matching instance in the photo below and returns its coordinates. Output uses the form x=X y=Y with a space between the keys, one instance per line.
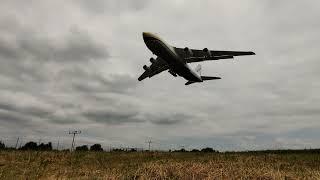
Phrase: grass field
x=157 y=165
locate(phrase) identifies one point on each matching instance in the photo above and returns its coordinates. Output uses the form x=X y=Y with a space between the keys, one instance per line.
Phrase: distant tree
x=2 y=145
x=195 y=150
x=82 y=148
x=96 y=147
x=45 y=147
x=30 y=146
x=181 y=150
x=207 y=149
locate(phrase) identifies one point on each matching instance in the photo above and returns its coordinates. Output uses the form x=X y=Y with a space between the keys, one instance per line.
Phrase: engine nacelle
x=145 y=67
x=207 y=52
x=172 y=73
x=152 y=60
x=188 y=52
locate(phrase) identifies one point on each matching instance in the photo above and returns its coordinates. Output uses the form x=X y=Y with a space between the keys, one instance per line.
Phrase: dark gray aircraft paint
x=176 y=60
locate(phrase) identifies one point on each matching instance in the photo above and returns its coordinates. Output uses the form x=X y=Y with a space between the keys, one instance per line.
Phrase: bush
x=195 y=150
x=33 y=146
x=82 y=148
x=96 y=147
x=30 y=146
x=181 y=150
x=208 y=149
x=2 y=145
x=45 y=147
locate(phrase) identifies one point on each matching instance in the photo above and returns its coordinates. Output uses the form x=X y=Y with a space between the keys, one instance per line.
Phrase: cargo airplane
x=176 y=60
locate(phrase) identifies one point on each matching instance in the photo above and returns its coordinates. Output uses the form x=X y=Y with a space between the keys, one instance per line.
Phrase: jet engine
x=172 y=73
x=207 y=52
x=152 y=60
x=145 y=67
x=188 y=52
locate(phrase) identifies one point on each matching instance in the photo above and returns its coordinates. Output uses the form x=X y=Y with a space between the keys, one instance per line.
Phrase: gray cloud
x=113 y=117
x=77 y=68
x=7 y=50
x=28 y=110
x=172 y=119
x=167 y=121
x=75 y=45
x=11 y=118
x=97 y=83
x=109 y=6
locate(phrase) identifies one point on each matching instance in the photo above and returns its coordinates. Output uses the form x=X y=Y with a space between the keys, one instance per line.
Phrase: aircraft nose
x=149 y=36
x=145 y=35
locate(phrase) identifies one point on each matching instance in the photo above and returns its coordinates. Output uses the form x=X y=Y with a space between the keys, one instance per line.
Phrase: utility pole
x=58 y=143
x=149 y=144
x=17 y=143
x=74 y=134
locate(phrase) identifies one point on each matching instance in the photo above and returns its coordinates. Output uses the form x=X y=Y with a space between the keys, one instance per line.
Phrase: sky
x=73 y=65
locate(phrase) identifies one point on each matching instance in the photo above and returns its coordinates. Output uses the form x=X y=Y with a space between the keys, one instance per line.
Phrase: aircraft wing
x=195 y=55
x=157 y=66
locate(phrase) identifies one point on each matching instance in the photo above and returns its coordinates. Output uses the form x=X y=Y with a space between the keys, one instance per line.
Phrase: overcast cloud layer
x=74 y=65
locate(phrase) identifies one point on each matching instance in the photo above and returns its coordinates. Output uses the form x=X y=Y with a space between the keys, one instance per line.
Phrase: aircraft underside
x=176 y=60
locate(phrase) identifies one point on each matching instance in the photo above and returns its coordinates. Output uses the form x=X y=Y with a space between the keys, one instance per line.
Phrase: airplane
x=176 y=60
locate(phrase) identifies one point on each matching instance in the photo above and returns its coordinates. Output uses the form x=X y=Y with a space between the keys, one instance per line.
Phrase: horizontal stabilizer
x=206 y=78
x=189 y=82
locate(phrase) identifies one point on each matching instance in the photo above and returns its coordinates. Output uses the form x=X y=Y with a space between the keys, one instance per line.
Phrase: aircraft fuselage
x=168 y=54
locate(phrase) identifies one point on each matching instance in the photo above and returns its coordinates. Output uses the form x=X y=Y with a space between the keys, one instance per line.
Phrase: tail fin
x=198 y=69
x=204 y=78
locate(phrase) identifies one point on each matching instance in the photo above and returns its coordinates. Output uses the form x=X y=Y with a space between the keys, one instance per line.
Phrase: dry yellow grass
x=139 y=165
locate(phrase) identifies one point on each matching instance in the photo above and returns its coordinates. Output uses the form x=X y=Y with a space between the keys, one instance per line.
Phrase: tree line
x=48 y=147
x=97 y=147
x=31 y=145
